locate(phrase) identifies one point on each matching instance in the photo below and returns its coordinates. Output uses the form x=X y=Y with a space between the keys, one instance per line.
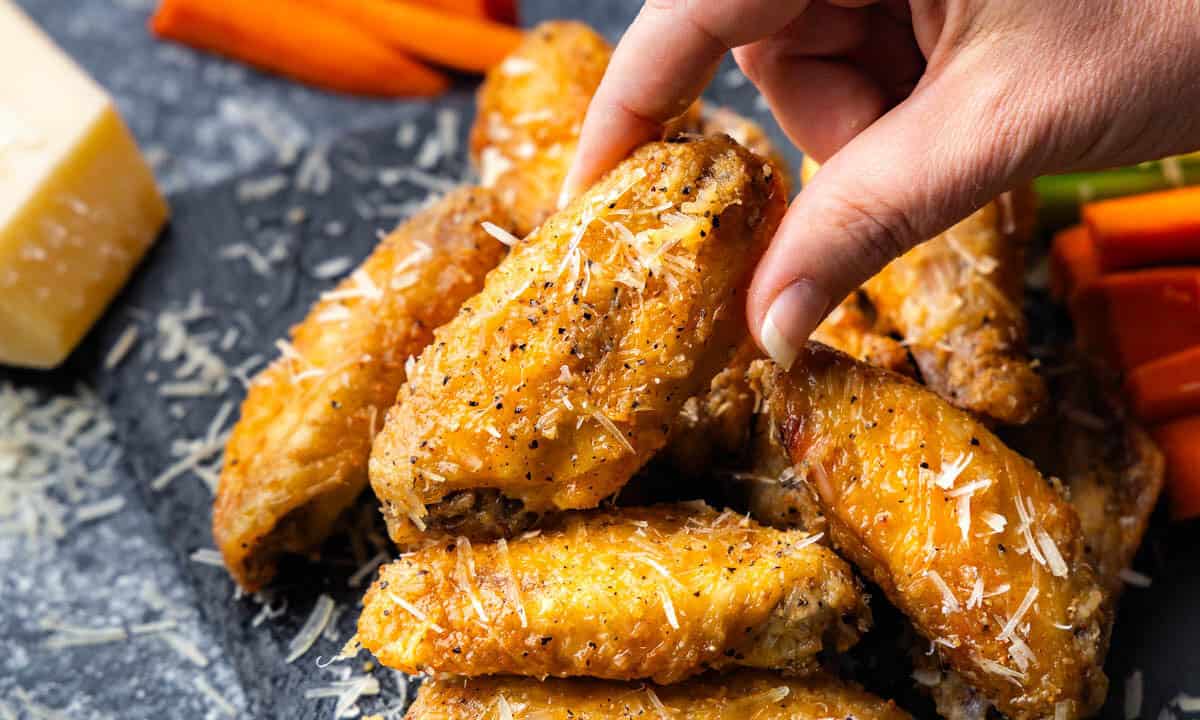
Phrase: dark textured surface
x=209 y=125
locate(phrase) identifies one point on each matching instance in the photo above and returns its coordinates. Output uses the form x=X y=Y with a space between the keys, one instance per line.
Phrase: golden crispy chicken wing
x=564 y=376
x=957 y=301
x=531 y=108
x=982 y=554
x=663 y=593
x=744 y=695
x=298 y=456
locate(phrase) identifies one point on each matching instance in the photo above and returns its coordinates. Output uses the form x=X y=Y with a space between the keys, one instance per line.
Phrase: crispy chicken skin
x=565 y=374
x=531 y=108
x=658 y=593
x=744 y=695
x=964 y=536
x=956 y=300
x=298 y=456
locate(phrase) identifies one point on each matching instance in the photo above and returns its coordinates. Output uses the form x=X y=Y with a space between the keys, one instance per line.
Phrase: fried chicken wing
x=982 y=554
x=714 y=120
x=742 y=695
x=957 y=302
x=298 y=456
x=663 y=593
x=531 y=108
x=564 y=376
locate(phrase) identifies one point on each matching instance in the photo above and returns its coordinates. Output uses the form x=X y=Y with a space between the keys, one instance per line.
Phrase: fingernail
x=790 y=320
x=564 y=195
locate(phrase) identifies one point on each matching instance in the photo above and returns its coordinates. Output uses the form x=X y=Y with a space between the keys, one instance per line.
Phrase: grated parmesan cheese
x=949 y=602
x=332 y=268
x=1132 y=577
x=185 y=648
x=1134 y=687
x=99 y=509
x=1026 y=603
x=218 y=700
x=1058 y=566
x=504 y=236
x=511 y=589
x=659 y=708
x=415 y=612
x=120 y=349
x=949 y=472
x=312 y=628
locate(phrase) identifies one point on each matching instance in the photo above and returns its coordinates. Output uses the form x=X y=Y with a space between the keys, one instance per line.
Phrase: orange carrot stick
x=1073 y=262
x=502 y=11
x=1180 y=443
x=1142 y=230
x=1166 y=388
x=1133 y=318
x=464 y=43
x=299 y=41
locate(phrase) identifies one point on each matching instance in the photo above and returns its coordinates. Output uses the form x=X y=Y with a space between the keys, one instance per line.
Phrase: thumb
x=924 y=165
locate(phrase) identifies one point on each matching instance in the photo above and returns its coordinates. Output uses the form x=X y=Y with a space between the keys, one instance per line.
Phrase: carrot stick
x=1166 y=388
x=455 y=41
x=1073 y=262
x=1133 y=318
x=502 y=11
x=1142 y=230
x=298 y=41
x=1180 y=443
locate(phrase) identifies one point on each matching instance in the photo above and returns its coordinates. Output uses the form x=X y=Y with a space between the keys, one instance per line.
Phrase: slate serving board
x=94 y=571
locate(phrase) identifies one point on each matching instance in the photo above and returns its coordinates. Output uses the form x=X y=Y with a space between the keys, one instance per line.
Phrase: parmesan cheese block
x=78 y=204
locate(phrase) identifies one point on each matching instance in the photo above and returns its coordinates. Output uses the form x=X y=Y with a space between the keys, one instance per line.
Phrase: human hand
x=922 y=111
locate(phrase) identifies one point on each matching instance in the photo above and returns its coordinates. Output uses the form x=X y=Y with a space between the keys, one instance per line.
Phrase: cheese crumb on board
x=78 y=203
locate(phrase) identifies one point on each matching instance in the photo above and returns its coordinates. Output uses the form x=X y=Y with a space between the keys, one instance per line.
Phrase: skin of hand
x=920 y=111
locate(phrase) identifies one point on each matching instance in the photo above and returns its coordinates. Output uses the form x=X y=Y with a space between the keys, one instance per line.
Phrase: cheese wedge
x=78 y=203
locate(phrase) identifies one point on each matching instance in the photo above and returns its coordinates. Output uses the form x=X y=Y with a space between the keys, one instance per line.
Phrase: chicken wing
x=956 y=300
x=981 y=553
x=662 y=593
x=743 y=695
x=298 y=456
x=531 y=108
x=564 y=376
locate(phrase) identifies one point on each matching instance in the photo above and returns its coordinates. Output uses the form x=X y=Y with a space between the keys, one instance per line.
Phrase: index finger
x=662 y=64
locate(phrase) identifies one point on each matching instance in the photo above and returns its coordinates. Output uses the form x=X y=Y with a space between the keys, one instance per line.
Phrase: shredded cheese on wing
x=1026 y=603
x=949 y=602
x=511 y=589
